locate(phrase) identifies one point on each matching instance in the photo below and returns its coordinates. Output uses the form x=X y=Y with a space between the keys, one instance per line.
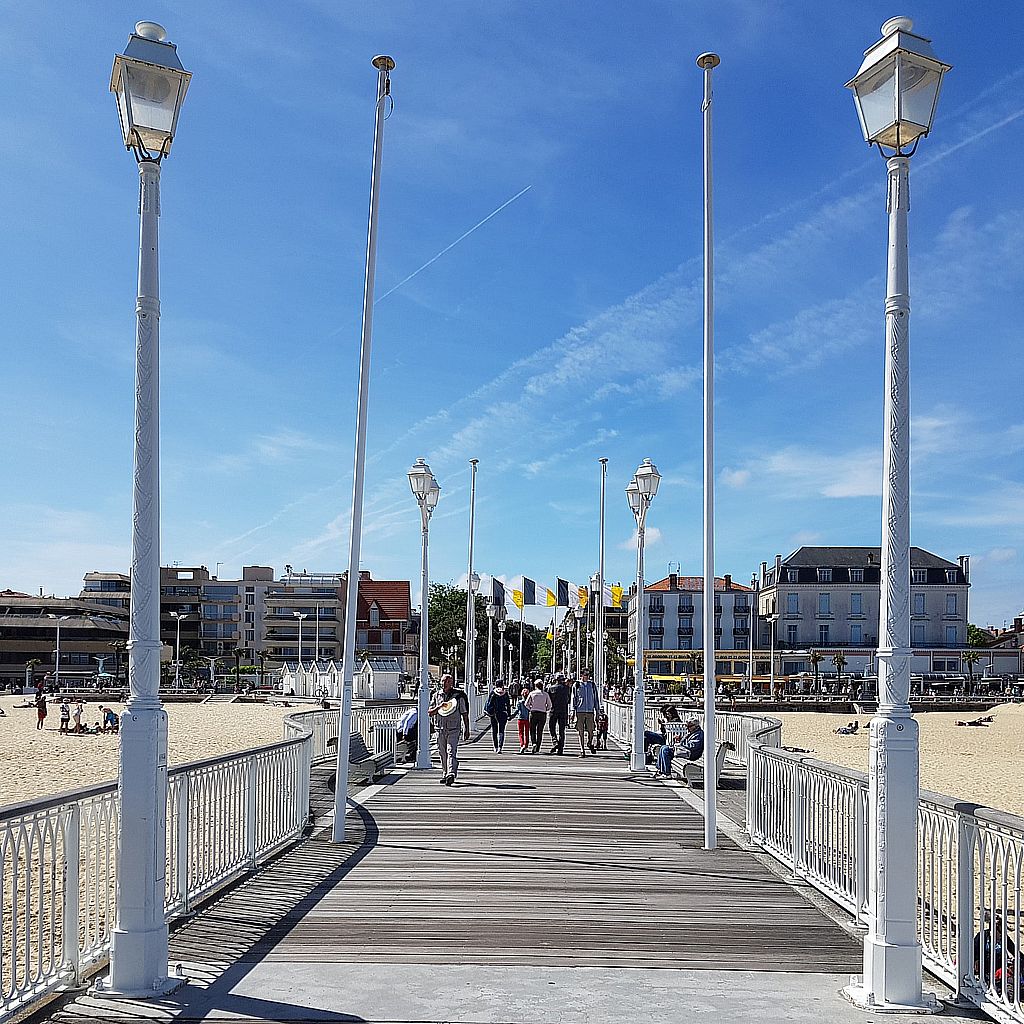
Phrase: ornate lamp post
x=56 y=651
x=895 y=90
x=149 y=83
x=578 y=612
x=470 y=651
x=501 y=646
x=426 y=491
x=492 y=612
x=640 y=493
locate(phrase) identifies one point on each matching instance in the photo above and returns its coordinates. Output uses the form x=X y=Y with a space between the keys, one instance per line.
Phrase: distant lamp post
x=300 y=616
x=578 y=613
x=470 y=651
x=501 y=644
x=492 y=612
x=177 y=616
x=426 y=491
x=640 y=493
x=895 y=90
x=56 y=652
x=150 y=85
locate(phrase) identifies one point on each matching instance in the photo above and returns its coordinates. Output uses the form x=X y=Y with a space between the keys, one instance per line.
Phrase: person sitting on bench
x=689 y=746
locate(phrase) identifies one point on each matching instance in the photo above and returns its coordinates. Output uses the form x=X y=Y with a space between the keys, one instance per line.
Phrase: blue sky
x=565 y=328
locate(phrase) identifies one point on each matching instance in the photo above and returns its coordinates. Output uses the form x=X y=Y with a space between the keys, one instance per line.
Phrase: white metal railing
x=58 y=856
x=812 y=817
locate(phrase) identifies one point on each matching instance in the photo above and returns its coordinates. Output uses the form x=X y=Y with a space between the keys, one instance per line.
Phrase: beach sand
x=985 y=765
x=36 y=764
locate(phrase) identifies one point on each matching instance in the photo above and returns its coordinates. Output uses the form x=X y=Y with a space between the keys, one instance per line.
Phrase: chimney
x=778 y=569
x=364 y=574
x=728 y=581
x=764 y=573
x=871 y=558
x=965 y=566
x=1018 y=624
x=673 y=581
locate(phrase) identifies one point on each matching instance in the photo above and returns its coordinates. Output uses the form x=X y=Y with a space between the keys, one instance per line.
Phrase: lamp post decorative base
x=174 y=979
x=862 y=997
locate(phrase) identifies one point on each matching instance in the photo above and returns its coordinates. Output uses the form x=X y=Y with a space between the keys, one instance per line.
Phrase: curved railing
x=58 y=856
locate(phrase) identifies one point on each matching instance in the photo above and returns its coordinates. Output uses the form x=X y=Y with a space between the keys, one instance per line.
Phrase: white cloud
x=735 y=477
x=652 y=536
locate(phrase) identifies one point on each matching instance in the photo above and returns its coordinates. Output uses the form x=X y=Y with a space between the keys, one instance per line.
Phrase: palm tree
x=971 y=658
x=839 y=660
x=816 y=658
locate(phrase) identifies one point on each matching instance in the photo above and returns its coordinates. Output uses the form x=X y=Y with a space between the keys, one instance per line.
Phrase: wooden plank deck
x=557 y=861
x=528 y=861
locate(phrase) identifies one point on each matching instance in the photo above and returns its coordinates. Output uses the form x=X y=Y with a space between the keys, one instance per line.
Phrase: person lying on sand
x=850 y=729
x=984 y=721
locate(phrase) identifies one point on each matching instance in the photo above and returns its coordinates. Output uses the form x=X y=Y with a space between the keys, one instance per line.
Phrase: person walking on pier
x=498 y=709
x=450 y=712
x=559 y=717
x=523 y=720
x=585 y=708
x=539 y=704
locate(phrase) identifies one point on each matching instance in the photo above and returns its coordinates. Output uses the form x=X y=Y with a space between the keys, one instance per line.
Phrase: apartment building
x=829 y=597
x=674 y=614
x=310 y=603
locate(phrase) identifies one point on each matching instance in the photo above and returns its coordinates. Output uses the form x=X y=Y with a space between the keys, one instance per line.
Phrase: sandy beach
x=36 y=764
x=985 y=765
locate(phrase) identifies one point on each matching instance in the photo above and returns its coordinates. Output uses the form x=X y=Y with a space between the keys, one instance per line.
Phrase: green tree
x=816 y=658
x=977 y=637
x=238 y=652
x=542 y=654
x=839 y=660
x=971 y=658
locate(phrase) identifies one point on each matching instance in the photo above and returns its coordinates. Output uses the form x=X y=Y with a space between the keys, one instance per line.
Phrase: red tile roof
x=392 y=597
x=695 y=584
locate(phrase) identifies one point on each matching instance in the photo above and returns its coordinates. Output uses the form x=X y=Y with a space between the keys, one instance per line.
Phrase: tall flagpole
x=384 y=66
x=521 y=643
x=707 y=61
x=471 y=602
x=599 y=653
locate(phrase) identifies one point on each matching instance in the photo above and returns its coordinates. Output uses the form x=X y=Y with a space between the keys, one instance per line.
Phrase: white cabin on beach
x=378 y=678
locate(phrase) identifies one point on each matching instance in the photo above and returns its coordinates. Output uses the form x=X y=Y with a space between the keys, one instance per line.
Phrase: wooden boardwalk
x=532 y=860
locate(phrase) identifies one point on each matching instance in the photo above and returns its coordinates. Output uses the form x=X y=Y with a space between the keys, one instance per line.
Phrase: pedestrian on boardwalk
x=450 y=711
x=65 y=716
x=523 y=720
x=559 y=718
x=539 y=704
x=498 y=709
x=585 y=706
x=40 y=709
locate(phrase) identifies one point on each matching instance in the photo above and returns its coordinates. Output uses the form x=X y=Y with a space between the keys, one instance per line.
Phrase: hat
x=447 y=676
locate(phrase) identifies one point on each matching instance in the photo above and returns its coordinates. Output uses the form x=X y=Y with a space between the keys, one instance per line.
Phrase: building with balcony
x=91 y=635
x=828 y=598
x=317 y=600
x=674 y=614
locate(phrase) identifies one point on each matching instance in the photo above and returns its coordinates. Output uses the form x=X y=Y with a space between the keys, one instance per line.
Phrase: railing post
x=72 y=925
x=796 y=819
x=182 y=867
x=965 y=834
x=250 y=813
x=860 y=853
x=751 y=803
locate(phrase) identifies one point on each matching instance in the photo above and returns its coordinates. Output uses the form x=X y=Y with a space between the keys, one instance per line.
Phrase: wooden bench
x=692 y=772
x=363 y=764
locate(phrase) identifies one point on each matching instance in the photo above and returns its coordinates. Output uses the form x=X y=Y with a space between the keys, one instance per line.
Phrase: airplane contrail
x=448 y=248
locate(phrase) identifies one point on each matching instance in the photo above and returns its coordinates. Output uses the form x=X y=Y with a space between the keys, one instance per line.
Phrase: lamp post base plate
x=102 y=989
x=857 y=994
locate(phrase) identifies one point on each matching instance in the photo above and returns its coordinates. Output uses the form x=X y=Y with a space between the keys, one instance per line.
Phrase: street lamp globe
x=633 y=496
x=492 y=609
x=421 y=480
x=474 y=582
x=433 y=493
x=150 y=85
x=897 y=87
x=647 y=479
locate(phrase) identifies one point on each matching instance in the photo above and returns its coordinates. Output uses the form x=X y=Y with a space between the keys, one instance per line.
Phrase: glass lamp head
x=150 y=85
x=633 y=496
x=897 y=87
x=433 y=493
x=420 y=479
x=647 y=478
x=474 y=582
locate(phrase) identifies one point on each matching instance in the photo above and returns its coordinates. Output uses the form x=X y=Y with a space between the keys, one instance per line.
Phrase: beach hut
x=378 y=678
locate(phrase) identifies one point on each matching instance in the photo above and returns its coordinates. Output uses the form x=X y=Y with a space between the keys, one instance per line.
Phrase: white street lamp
x=177 y=616
x=895 y=91
x=578 y=612
x=426 y=491
x=751 y=624
x=501 y=645
x=640 y=493
x=597 y=586
x=384 y=66
x=56 y=652
x=150 y=85
x=300 y=616
x=492 y=611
